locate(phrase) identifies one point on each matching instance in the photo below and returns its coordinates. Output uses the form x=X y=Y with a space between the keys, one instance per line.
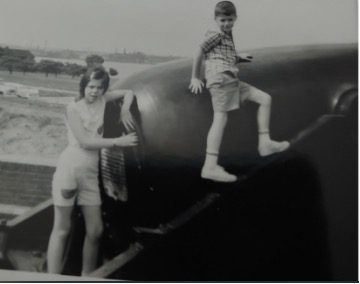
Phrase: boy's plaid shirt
x=220 y=53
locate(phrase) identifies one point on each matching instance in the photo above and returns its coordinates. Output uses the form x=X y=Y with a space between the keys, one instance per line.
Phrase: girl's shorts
x=227 y=91
x=76 y=178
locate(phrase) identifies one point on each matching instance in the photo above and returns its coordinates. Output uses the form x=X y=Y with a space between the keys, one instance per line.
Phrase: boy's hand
x=244 y=57
x=196 y=85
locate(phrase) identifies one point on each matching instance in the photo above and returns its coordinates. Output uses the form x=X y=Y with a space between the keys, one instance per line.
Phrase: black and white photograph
x=172 y=141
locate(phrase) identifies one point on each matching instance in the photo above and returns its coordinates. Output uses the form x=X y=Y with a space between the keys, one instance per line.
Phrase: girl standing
x=76 y=175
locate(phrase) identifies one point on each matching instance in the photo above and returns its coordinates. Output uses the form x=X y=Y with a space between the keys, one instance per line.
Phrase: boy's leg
x=211 y=169
x=58 y=238
x=266 y=145
x=94 y=229
x=214 y=139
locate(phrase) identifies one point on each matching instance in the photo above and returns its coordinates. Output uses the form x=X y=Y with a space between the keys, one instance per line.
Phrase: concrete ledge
x=13 y=275
x=30 y=213
x=13 y=209
x=29 y=159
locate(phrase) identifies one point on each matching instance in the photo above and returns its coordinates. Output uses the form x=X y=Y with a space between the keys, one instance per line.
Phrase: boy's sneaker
x=273 y=147
x=217 y=174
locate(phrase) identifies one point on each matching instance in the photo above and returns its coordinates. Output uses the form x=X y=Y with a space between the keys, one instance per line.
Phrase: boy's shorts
x=227 y=91
x=76 y=179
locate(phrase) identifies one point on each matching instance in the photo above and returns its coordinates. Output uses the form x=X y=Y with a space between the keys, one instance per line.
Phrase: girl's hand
x=128 y=140
x=196 y=85
x=110 y=192
x=127 y=120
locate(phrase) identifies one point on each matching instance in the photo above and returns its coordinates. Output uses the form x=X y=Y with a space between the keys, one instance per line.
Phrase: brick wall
x=24 y=184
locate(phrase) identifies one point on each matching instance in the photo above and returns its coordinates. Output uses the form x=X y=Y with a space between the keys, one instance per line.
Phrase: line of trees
x=16 y=59
x=54 y=67
x=139 y=57
x=24 y=61
x=123 y=57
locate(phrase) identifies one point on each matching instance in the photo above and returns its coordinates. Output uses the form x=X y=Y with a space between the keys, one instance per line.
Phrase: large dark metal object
x=290 y=217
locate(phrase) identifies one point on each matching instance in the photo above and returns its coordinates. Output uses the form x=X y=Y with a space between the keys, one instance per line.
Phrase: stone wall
x=23 y=186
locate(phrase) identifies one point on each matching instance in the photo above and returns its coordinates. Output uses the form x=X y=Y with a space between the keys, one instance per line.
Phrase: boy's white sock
x=264 y=137
x=211 y=159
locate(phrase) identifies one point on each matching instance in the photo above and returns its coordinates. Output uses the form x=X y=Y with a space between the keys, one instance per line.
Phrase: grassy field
x=62 y=82
x=31 y=127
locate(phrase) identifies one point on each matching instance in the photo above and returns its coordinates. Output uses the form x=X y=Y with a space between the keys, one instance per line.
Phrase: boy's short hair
x=98 y=73
x=225 y=8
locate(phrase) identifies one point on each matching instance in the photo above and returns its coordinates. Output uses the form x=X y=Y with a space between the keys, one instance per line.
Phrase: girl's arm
x=125 y=115
x=112 y=95
x=92 y=143
x=196 y=84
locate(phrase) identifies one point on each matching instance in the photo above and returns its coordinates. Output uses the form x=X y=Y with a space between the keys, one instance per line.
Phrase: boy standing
x=227 y=92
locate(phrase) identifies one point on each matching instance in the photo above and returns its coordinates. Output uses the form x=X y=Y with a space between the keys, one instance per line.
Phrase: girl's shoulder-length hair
x=98 y=73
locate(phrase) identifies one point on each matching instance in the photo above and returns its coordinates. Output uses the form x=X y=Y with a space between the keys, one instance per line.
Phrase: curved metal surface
x=307 y=85
x=291 y=217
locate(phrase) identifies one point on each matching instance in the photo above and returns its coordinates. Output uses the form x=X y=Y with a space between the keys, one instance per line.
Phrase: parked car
x=19 y=90
x=28 y=92
x=8 y=89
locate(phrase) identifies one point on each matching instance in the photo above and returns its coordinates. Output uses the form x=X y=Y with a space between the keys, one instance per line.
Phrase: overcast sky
x=171 y=27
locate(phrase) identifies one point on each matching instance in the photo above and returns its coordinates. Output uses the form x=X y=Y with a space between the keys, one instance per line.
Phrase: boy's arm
x=243 y=57
x=196 y=84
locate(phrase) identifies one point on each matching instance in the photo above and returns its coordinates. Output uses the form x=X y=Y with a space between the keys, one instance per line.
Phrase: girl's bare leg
x=58 y=238
x=94 y=229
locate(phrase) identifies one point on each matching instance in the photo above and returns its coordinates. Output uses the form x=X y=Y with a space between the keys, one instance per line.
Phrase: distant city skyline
x=171 y=27
x=20 y=46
